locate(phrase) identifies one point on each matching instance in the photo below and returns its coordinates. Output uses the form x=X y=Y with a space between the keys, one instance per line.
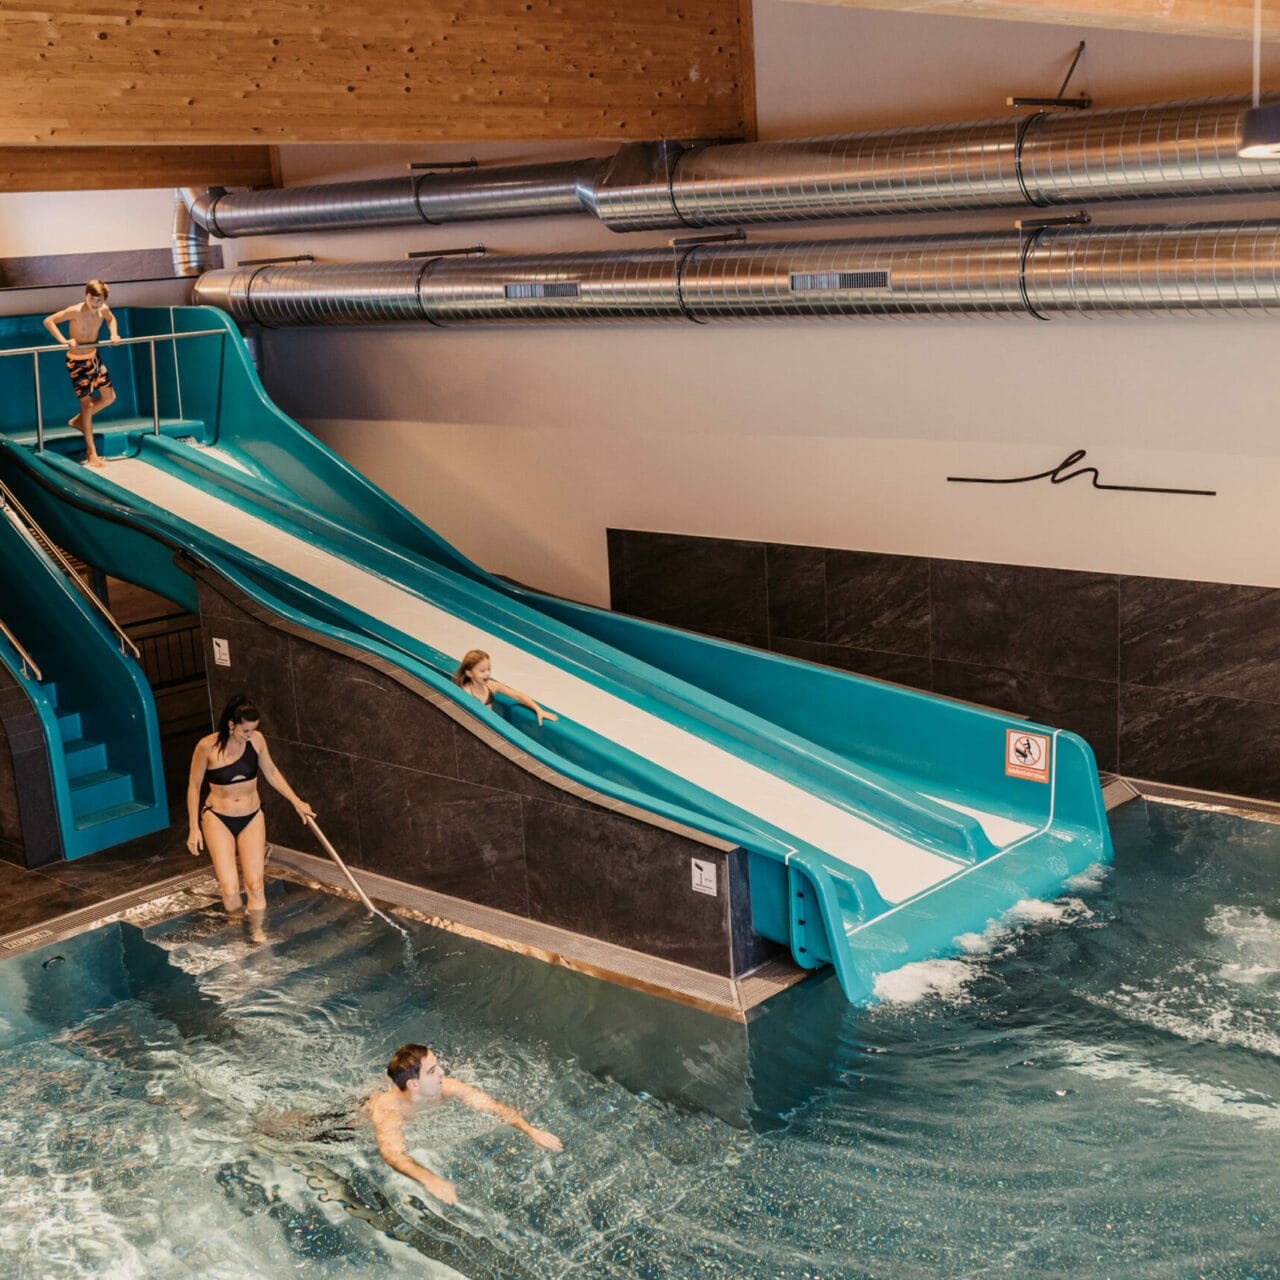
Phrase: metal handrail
x=27 y=659
x=36 y=352
x=355 y=884
x=7 y=499
x=120 y=342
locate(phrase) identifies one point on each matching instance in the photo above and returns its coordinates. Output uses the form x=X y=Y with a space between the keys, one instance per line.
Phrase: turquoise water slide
x=880 y=823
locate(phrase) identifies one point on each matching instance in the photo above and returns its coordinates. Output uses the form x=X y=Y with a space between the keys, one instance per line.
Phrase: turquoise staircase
x=94 y=705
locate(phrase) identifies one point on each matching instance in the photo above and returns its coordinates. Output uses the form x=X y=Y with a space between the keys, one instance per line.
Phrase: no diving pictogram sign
x=1026 y=755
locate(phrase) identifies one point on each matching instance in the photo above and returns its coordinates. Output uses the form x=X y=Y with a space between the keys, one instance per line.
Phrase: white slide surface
x=898 y=868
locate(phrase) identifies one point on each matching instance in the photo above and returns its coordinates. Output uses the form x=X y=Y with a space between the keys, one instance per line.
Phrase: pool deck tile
x=31 y=897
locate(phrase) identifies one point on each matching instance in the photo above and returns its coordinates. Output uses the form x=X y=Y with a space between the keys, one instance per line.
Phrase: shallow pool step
x=295 y=955
x=288 y=913
x=203 y=927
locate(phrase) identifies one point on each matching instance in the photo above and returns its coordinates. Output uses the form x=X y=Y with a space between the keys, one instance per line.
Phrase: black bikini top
x=243 y=770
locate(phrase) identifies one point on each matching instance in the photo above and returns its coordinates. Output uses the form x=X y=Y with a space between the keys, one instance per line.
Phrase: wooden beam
x=196 y=71
x=1232 y=19
x=134 y=168
x=71 y=270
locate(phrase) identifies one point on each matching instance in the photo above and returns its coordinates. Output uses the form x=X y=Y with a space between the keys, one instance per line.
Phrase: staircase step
x=69 y=725
x=50 y=688
x=101 y=789
x=84 y=756
x=96 y=817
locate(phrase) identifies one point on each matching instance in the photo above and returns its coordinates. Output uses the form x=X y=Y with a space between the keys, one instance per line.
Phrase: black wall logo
x=1063 y=472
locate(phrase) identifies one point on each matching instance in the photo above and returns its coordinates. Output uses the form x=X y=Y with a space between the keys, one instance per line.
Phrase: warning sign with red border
x=1026 y=755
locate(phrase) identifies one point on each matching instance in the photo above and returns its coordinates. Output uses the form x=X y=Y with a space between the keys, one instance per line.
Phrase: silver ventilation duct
x=1206 y=268
x=1050 y=158
x=191 y=254
x=522 y=191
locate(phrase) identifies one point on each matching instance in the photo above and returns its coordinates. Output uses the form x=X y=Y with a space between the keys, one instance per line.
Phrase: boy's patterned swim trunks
x=87 y=376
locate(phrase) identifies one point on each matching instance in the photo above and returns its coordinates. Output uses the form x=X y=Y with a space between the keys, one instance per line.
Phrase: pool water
x=1093 y=1090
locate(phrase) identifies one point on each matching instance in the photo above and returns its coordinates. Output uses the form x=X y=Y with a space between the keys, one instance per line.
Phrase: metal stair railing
x=8 y=502
x=150 y=340
x=27 y=660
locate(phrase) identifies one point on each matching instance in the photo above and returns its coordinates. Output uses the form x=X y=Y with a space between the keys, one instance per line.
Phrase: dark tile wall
x=401 y=789
x=1168 y=680
x=10 y=820
x=29 y=832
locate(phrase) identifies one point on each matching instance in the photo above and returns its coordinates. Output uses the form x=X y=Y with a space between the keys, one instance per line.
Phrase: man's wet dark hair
x=238 y=711
x=406 y=1062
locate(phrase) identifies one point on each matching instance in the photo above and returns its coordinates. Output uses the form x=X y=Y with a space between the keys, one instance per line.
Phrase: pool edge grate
x=1209 y=801
x=83 y=919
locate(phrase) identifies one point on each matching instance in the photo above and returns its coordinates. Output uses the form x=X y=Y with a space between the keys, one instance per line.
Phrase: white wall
x=523 y=445
x=36 y=224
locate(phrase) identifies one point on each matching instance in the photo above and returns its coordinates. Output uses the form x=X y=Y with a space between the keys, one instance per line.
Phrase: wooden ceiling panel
x=207 y=71
x=1222 y=18
x=134 y=168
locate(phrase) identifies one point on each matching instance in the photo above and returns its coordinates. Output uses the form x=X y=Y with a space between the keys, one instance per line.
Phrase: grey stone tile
x=325 y=780
x=487 y=768
x=1055 y=621
x=748 y=947
x=705 y=584
x=614 y=539
x=1201 y=637
x=750 y=639
x=213 y=604
x=450 y=836
x=1198 y=740
x=44 y=900
x=878 y=602
x=1086 y=707
x=260 y=669
x=366 y=713
x=128 y=867
x=900 y=668
x=797 y=582
x=613 y=878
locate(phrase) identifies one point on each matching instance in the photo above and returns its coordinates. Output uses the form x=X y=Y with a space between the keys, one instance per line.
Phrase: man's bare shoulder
x=382 y=1105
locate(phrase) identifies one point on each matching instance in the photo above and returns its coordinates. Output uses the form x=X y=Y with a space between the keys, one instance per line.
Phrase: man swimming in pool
x=420 y=1082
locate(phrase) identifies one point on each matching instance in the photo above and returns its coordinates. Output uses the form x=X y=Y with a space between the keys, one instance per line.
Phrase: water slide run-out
x=879 y=822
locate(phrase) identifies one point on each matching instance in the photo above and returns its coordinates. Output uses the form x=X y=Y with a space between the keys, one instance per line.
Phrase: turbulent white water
x=1092 y=1089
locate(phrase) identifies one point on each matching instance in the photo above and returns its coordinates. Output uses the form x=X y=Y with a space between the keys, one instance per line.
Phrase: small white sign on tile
x=221 y=652
x=704 y=877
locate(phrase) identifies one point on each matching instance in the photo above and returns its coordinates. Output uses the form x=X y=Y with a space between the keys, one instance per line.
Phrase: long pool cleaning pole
x=355 y=884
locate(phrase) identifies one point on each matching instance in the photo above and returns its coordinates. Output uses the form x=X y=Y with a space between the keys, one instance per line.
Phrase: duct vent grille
x=569 y=290
x=825 y=281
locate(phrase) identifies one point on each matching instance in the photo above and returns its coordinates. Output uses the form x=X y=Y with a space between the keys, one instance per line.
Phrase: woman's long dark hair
x=237 y=711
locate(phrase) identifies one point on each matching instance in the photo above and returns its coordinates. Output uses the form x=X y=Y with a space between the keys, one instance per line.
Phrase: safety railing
x=8 y=502
x=29 y=666
x=36 y=352
x=173 y=655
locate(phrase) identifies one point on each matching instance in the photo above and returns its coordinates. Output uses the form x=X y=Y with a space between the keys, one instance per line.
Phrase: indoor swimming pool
x=1093 y=1090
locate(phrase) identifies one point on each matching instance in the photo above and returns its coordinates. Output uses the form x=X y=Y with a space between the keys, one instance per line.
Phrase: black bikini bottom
x=234 y=822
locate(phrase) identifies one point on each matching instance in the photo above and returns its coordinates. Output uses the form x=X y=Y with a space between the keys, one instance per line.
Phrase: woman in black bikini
x=473 y=676
x=232 y=821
